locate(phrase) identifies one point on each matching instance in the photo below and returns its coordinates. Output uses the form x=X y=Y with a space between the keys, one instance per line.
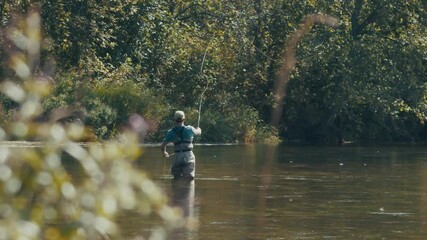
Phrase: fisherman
x=184 y=161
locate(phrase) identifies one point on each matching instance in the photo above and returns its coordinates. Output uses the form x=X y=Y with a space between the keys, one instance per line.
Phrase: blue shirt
x=181 y=136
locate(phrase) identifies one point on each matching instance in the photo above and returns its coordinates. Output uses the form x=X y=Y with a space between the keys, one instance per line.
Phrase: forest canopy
x=361 y=81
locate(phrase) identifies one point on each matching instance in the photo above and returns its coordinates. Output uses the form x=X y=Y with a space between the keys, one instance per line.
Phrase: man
x=184 y=161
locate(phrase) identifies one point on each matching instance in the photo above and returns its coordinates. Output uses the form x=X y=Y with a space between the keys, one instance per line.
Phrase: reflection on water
x=183 y=198
x=288 y=192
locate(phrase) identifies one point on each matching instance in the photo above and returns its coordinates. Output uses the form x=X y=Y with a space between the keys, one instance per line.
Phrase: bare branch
x=289 y=58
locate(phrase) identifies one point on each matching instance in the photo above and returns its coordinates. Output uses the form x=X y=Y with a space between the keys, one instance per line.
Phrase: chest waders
x=183 y=164
x=177 y=145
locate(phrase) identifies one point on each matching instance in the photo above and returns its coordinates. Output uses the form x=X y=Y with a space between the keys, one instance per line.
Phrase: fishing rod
x=200 y=103
x=207 y=85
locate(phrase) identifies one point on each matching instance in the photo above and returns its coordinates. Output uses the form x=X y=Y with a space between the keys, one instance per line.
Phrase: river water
x=297 y=192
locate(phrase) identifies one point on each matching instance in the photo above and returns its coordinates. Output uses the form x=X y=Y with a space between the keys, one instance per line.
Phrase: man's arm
x=163 y=148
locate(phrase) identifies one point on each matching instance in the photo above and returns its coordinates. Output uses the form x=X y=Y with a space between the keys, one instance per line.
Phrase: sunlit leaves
x=154 y=50
x=360 y=75
x=40 y=197
x=14 y=91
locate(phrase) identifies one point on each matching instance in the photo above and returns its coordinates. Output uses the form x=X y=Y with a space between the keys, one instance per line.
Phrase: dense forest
x=363 y=80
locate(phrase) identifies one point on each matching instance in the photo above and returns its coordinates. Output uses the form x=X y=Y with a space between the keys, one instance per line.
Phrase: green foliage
x=355 y=81
x=40 y=197
x=236 y=124
x=102 y=118
x=64 y=93
x=108 y=100
x=128 y=96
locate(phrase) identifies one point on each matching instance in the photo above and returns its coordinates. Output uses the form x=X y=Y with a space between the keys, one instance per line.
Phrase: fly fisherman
x=184 y=161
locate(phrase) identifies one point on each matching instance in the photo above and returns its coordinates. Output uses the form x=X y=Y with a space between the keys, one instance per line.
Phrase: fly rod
x=207 y=85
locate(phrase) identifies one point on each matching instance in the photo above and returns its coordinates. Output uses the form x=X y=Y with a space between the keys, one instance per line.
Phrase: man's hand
x=165 y=154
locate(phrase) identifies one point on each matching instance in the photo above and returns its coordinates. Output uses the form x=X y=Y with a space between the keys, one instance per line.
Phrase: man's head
x=179 y=116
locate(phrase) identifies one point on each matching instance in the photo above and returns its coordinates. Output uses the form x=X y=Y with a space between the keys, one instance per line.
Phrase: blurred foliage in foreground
x=39 y=198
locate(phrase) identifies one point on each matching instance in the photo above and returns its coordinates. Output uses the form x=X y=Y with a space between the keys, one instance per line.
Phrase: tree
x=358 y=82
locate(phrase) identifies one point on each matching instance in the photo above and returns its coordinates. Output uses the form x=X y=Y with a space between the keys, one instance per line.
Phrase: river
x=297 y=192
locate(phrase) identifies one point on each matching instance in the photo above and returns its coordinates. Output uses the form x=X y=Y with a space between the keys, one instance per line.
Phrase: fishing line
x=207 y=85
x=164 y=163
x=164 y=166
x=246 y=40
x=200 y=103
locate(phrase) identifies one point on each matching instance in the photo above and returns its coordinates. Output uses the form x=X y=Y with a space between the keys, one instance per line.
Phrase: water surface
x=293 y=192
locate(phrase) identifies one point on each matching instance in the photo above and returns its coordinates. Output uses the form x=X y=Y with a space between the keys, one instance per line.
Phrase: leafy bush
x=40 y=198
x=236 y=124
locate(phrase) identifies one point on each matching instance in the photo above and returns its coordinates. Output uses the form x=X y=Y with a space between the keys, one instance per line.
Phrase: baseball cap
x=179 y=115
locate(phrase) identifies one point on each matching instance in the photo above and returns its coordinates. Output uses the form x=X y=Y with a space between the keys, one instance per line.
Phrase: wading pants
x=184 y=165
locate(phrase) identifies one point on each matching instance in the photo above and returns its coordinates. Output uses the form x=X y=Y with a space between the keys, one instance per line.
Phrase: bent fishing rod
x=203 y=92
x=207 y=85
